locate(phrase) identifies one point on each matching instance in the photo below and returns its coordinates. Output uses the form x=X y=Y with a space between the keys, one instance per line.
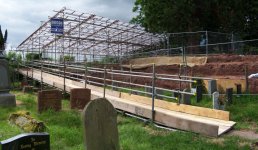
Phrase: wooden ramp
x=205 y=121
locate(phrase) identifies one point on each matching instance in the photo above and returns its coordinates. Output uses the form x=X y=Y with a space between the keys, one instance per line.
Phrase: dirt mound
x=227 y=58
x=159 y=61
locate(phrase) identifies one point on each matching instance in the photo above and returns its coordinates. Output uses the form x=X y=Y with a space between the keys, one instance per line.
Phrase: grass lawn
x=66 y=132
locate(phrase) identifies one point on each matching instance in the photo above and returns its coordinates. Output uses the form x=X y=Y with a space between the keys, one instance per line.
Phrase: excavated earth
x=217 y=66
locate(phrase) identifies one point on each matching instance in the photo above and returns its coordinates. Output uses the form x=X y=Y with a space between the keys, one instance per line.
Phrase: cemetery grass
x=66 y=132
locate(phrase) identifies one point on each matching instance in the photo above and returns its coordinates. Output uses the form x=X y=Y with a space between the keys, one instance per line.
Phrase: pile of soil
x=217 y=66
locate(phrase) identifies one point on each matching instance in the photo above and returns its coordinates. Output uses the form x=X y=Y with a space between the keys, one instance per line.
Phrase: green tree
x=238 y=16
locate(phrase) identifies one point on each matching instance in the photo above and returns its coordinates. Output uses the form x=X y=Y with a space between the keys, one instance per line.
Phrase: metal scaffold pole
x=104 y=84
x=153 y=94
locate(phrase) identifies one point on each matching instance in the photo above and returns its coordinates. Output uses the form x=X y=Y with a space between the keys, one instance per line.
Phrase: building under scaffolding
x=87 y=36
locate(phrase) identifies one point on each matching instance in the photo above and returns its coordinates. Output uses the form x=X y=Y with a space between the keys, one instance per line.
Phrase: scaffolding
x=88 y=36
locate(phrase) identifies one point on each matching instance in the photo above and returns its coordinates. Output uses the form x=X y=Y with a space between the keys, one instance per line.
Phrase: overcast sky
x=22 y=17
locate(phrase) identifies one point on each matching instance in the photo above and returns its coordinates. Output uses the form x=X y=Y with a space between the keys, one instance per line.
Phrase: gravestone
x=238 y=89
x=100 y=125
x=186 y=98
x=6 y=99
x=215 y=100
x=24 y=83
x=135 y=93
x=147 y=90
x=79 y=98
x=27 y=141
x=212 y=86
x=159 y=92
x=49 y=99
x=175 y=94
x=27 y=89
x=199 y=91
x=229 y=95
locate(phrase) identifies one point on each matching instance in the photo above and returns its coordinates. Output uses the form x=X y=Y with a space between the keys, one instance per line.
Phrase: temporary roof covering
x=89 y=34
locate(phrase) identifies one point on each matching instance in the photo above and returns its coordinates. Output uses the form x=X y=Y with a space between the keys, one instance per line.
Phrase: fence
x=114 y=79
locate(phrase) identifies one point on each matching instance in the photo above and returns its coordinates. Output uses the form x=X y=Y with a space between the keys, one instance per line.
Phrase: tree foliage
x=238 y=16
x=13 y=56
x=33 y=56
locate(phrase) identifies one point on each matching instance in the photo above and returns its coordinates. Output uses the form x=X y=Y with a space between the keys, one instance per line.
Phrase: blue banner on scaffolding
x=57 y=26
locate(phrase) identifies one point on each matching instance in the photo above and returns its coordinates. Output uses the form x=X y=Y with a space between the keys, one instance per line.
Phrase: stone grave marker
x=100 y=125
x=175 y=94
x=24 y=83
x=27 y=89
x=79 y=97
x=49 y=99
x=147 y=89
x=135 y=93
x=212 y=86
x=186 y=98
x=199 y=91
x=159 y=92
x=215 y=100
x=229 y=95
x=27 y=141
x=6 y=99
x=238 y=88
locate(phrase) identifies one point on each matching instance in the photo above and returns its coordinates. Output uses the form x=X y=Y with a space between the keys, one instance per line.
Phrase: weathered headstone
x=159 y=92
x=24 y=83
x=49 y=99
x=253 y=88
x=6 y=99
x=26 y=122
x=27 y=141
x=175 y=94
x=215 y=100
x=238 y=89
x=199 y=91
x=135 y=92
x=212 y=86
x=147 y=89
x=27 y=89
x=198 y=94
x=100 y=125
x=229 y=95
x=186 y=98
x=79 y=97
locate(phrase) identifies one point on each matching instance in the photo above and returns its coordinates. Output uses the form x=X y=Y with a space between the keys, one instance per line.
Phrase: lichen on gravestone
x=27 y=123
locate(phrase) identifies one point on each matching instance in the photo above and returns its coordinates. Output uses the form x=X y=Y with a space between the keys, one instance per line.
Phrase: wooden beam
x=194 y=110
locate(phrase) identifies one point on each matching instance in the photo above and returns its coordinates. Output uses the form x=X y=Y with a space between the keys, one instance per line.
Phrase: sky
x=22 y=17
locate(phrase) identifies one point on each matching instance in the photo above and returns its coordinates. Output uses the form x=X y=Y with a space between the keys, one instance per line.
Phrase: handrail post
x=104 y=92
x=207 y=43
x=41 y=75
x=112 y=78
x=130 y=79
x=153 y=93
x=85 y=75
x=64 y=76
